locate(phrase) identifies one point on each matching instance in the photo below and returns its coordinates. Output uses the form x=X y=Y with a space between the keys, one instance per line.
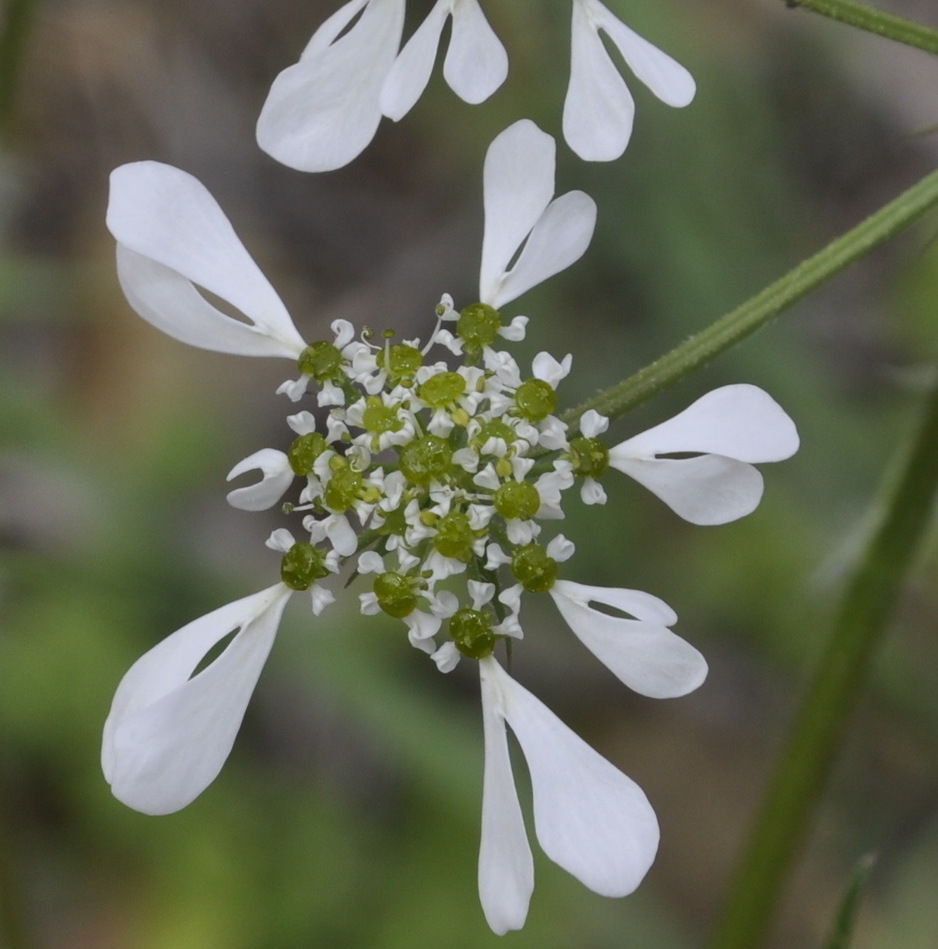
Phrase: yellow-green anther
x=533 y=569
x=454 y=537
x=477 y=326
x=426 y=459
x=396 y=594
x=535 y=400
x=343 y=489
x=590 y=457
x=472 y=633
x=304 y=451
x=302 y=565
x=322 y=361
x=442 y=389
x=517 y=499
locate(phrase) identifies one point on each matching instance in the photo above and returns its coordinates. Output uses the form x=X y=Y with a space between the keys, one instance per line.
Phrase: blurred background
x=348 y=813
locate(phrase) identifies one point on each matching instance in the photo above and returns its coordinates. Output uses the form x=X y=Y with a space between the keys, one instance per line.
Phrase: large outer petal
x=323 y=111
x=506 y=867
x=705 y=490
x=168 y=735
x=518 y=183
x=559 y=239
x=642 y=652
x=740 y=421
x=476 y=63
x=590 y=818
x=598 y=110
x=664 y=76
x=172 y=235
x=408 y=76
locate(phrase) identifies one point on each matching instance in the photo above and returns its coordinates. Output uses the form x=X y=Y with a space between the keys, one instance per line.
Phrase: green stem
x=873 y=21
x=902 y=517
x=764 y=306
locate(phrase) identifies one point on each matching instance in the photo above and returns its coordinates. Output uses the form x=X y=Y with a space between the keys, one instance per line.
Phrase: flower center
x=517 y=499
x=472 y=633
x=590 y=457
x=533 y=569
x=304 y=451
x=397 y=594
x=322 y=361
x=477 y=327
x=426 y=459
x=302 y=565
x=535 y=400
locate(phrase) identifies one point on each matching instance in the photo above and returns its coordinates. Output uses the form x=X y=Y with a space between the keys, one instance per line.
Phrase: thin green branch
x=902 y=517
x=873 y=21
x=764 y=306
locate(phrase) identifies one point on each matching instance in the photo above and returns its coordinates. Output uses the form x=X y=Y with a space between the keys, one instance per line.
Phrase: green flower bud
x=535 y=400
x=472 y=633
x=344 y=487
x=590 y=457
x=396 y=594
x=302 y=565
x=533 y=569
x=442 y=389
x=380 y=418
x=477 y=326
x=304 y=451
x=322 y=361
x=454 y=537
x=401 y=362
x=426 y=459
x=517 y=499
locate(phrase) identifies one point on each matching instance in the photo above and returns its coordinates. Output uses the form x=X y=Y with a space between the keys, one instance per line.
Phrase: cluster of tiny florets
x=424 y=471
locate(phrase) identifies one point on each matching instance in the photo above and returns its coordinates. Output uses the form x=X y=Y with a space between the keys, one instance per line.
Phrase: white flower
x=598 y=110
x=727 y=430
x=641 y=651
x=169 y=732
x=172 y=237
x=518 y=195
x=323 y=111
x=589 y=817
x=476 y=63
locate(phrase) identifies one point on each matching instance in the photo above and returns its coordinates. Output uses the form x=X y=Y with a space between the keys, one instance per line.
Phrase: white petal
x=642 y=652
x=506 y=867
x=324 y=110
x=560 y=238
x=592 y=424
x=590 y=818
x=476 y=63
x=168 y=735
x=739 y=421
x=408 y=77
x=664 y=76
x=705 y=490
x=592 y=492
x=598 y=110
x=518 y=183
x=278 y=476
x=172 y=235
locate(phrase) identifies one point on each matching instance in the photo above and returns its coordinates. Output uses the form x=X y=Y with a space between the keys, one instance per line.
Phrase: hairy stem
x=736 y=325
x=873 y=21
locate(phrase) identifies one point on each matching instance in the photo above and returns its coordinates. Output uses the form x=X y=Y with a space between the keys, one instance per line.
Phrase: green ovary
x=426 y=459
x=517 y=499
x=302 y=565
x=533 y=569
x=472 y=633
